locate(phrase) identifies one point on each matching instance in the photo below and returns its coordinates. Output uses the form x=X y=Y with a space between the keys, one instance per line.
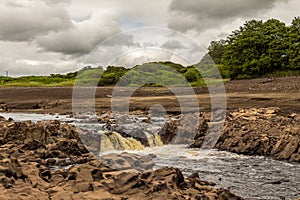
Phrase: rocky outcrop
x=260 y=131
x=126 y=161
x=183 y=130
x=46 y=160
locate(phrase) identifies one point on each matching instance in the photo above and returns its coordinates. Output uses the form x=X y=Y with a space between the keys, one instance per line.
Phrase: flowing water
x=251 y=177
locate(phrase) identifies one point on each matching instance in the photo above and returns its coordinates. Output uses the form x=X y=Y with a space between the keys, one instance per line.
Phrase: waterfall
x=154 y=140
x=114 y=141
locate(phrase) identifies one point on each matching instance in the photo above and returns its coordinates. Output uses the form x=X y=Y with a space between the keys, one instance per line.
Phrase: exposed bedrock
x=260 y=131
x=46 y=160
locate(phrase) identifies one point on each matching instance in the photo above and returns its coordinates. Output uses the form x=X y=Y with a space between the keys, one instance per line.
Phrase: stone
x=289 y=149
x=126 y=160
x=173 y=132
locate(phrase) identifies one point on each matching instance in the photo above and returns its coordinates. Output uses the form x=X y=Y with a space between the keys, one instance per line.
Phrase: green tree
x=216 y=50
x=294 y=44
x=256 y=49
x=192 y=75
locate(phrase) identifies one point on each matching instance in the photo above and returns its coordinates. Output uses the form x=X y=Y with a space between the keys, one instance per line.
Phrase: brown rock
x=179 y=131
x=289 y=149
x=295 y=157
x=279 y=146
x=33 y=167
x=126 y=181
x=81 y=186
x=270 y=134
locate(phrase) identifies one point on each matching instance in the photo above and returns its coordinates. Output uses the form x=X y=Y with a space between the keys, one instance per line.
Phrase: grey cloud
x=57 y=1
x=82 y=38
x=172 y=44
x=24 y=20
x=121 y=40
x=203 y=14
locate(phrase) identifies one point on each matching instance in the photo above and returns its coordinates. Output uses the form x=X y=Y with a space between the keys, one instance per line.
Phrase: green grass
x=35 y=81
x=149 y=74
x=286 y=73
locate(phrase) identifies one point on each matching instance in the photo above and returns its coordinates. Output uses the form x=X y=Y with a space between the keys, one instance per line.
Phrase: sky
x=40 y=37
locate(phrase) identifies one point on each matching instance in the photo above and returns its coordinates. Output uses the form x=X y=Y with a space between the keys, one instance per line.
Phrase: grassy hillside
x=153 y=74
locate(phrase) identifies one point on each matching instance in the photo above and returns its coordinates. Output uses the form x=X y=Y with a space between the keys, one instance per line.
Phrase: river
x=251 y=177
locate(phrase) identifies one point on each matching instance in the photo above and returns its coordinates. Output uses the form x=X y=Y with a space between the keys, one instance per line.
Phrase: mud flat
x=273 y=92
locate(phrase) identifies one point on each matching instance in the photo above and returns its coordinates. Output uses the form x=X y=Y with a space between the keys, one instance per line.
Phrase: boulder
x=180 y=131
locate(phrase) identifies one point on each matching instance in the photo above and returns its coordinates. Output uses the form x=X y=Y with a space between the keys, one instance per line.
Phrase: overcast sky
x=55 y=36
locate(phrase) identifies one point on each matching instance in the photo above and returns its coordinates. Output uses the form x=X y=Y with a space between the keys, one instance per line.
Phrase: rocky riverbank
x=260 y=131
x=46 y=160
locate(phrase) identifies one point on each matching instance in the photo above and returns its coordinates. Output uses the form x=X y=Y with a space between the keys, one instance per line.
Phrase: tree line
x=258 y=49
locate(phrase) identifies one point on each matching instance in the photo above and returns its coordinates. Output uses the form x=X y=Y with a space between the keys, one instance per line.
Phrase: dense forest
x=256 y=49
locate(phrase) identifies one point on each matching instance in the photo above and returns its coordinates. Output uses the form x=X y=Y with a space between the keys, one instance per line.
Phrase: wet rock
x=295 y=157
x=180 y=131
x=105 y=118
x=169 y=131
x=71 y=176
x=51 y=161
